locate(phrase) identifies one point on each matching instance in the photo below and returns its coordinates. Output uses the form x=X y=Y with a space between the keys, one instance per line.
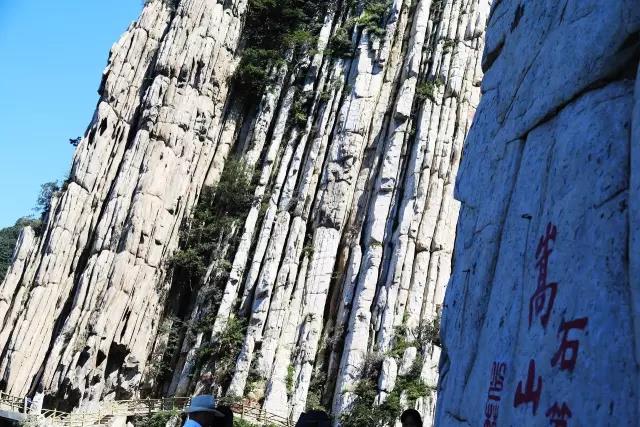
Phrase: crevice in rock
x=489 y=58
x=518 y=15
x=115 y=358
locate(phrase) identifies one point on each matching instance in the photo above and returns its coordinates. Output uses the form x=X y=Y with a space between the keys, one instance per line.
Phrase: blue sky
x=52 y=54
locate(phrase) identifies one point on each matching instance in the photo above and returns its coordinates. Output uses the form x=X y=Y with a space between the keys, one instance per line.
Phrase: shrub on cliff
x=212 y=225
x=221 y=351
x=427 y=90
x=340 y=44
x=9 y=235
x=373 y=16
x=202 y=264
x=8 y=238
x=271 y=28
x=365 y=412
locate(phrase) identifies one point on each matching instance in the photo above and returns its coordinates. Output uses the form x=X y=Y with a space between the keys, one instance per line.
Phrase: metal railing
x=132 y=408
x=256 y=414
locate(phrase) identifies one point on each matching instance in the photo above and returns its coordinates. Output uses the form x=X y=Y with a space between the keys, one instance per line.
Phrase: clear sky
x=52 y=54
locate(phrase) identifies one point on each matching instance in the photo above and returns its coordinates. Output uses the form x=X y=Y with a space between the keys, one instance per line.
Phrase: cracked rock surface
x=540 y=318
x=346 y=250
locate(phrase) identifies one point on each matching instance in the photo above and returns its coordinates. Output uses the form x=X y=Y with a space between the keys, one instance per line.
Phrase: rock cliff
x=540 y=318
x=156 y=274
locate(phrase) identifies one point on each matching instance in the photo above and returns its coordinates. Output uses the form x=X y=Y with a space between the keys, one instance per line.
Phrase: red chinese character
x=558 y=415
x=567 y=354
x=543 y=297
x=544 y=252
x=497 y=379
x=530 y=393
x=542 y=301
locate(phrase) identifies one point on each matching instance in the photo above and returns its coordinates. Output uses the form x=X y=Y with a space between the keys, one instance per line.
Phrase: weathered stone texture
x=551 y=153
x=348 y=241
x=93 y=291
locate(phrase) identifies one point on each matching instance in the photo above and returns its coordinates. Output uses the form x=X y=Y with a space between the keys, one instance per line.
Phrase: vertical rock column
x=349 y=238
x=373 y=171
x=405 y=267
x=94 y=291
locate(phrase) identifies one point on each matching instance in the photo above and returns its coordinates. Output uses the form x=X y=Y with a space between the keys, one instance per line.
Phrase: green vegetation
x=273 y=27
x=8 y=238
x=427 y=90
x=9 y=235
x=372 y=19
x=325 y=96
x=373 y=16
x=340 y=45
x=410 y=385
x=276 y=31
x=253 y=71
x=299 y=109
x=402 y=341
x=47 y=191
x=429 y=331
x=289 y=380
x=254 y=381
x=316 y=389
x=174 y=329
x=223 y=348
x=201 y=266
x=159 y=419
x=214 y=220
x=365 y=413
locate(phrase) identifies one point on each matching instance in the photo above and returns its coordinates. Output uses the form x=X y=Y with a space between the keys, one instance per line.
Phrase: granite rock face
x=343 y=256
x=540 y=317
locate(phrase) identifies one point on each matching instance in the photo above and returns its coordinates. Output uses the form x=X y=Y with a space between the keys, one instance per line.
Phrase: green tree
x=47 y=191
x=272 y=27
x=8 y=238
x=208 y=240
x=218 y=212
x=223 y=348
x=363 y=412
x=374 y=15
x=9 y=235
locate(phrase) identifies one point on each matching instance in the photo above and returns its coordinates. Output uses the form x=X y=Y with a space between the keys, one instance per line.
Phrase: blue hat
x=204 y=403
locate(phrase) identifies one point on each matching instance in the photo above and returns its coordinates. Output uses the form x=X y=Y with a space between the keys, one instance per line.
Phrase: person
x=411 y=418
x=202 y=412
x=314 y=419
x=227 y=421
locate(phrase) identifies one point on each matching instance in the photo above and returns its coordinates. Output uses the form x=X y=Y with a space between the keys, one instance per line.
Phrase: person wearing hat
x=411 y=418
x=202 y=412
x=314 y=419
